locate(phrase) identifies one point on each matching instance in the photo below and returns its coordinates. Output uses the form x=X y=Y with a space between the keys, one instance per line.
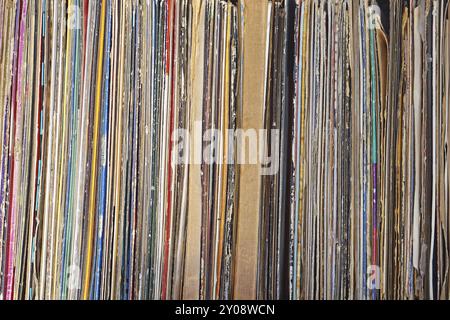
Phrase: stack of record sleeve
x=224 y=149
